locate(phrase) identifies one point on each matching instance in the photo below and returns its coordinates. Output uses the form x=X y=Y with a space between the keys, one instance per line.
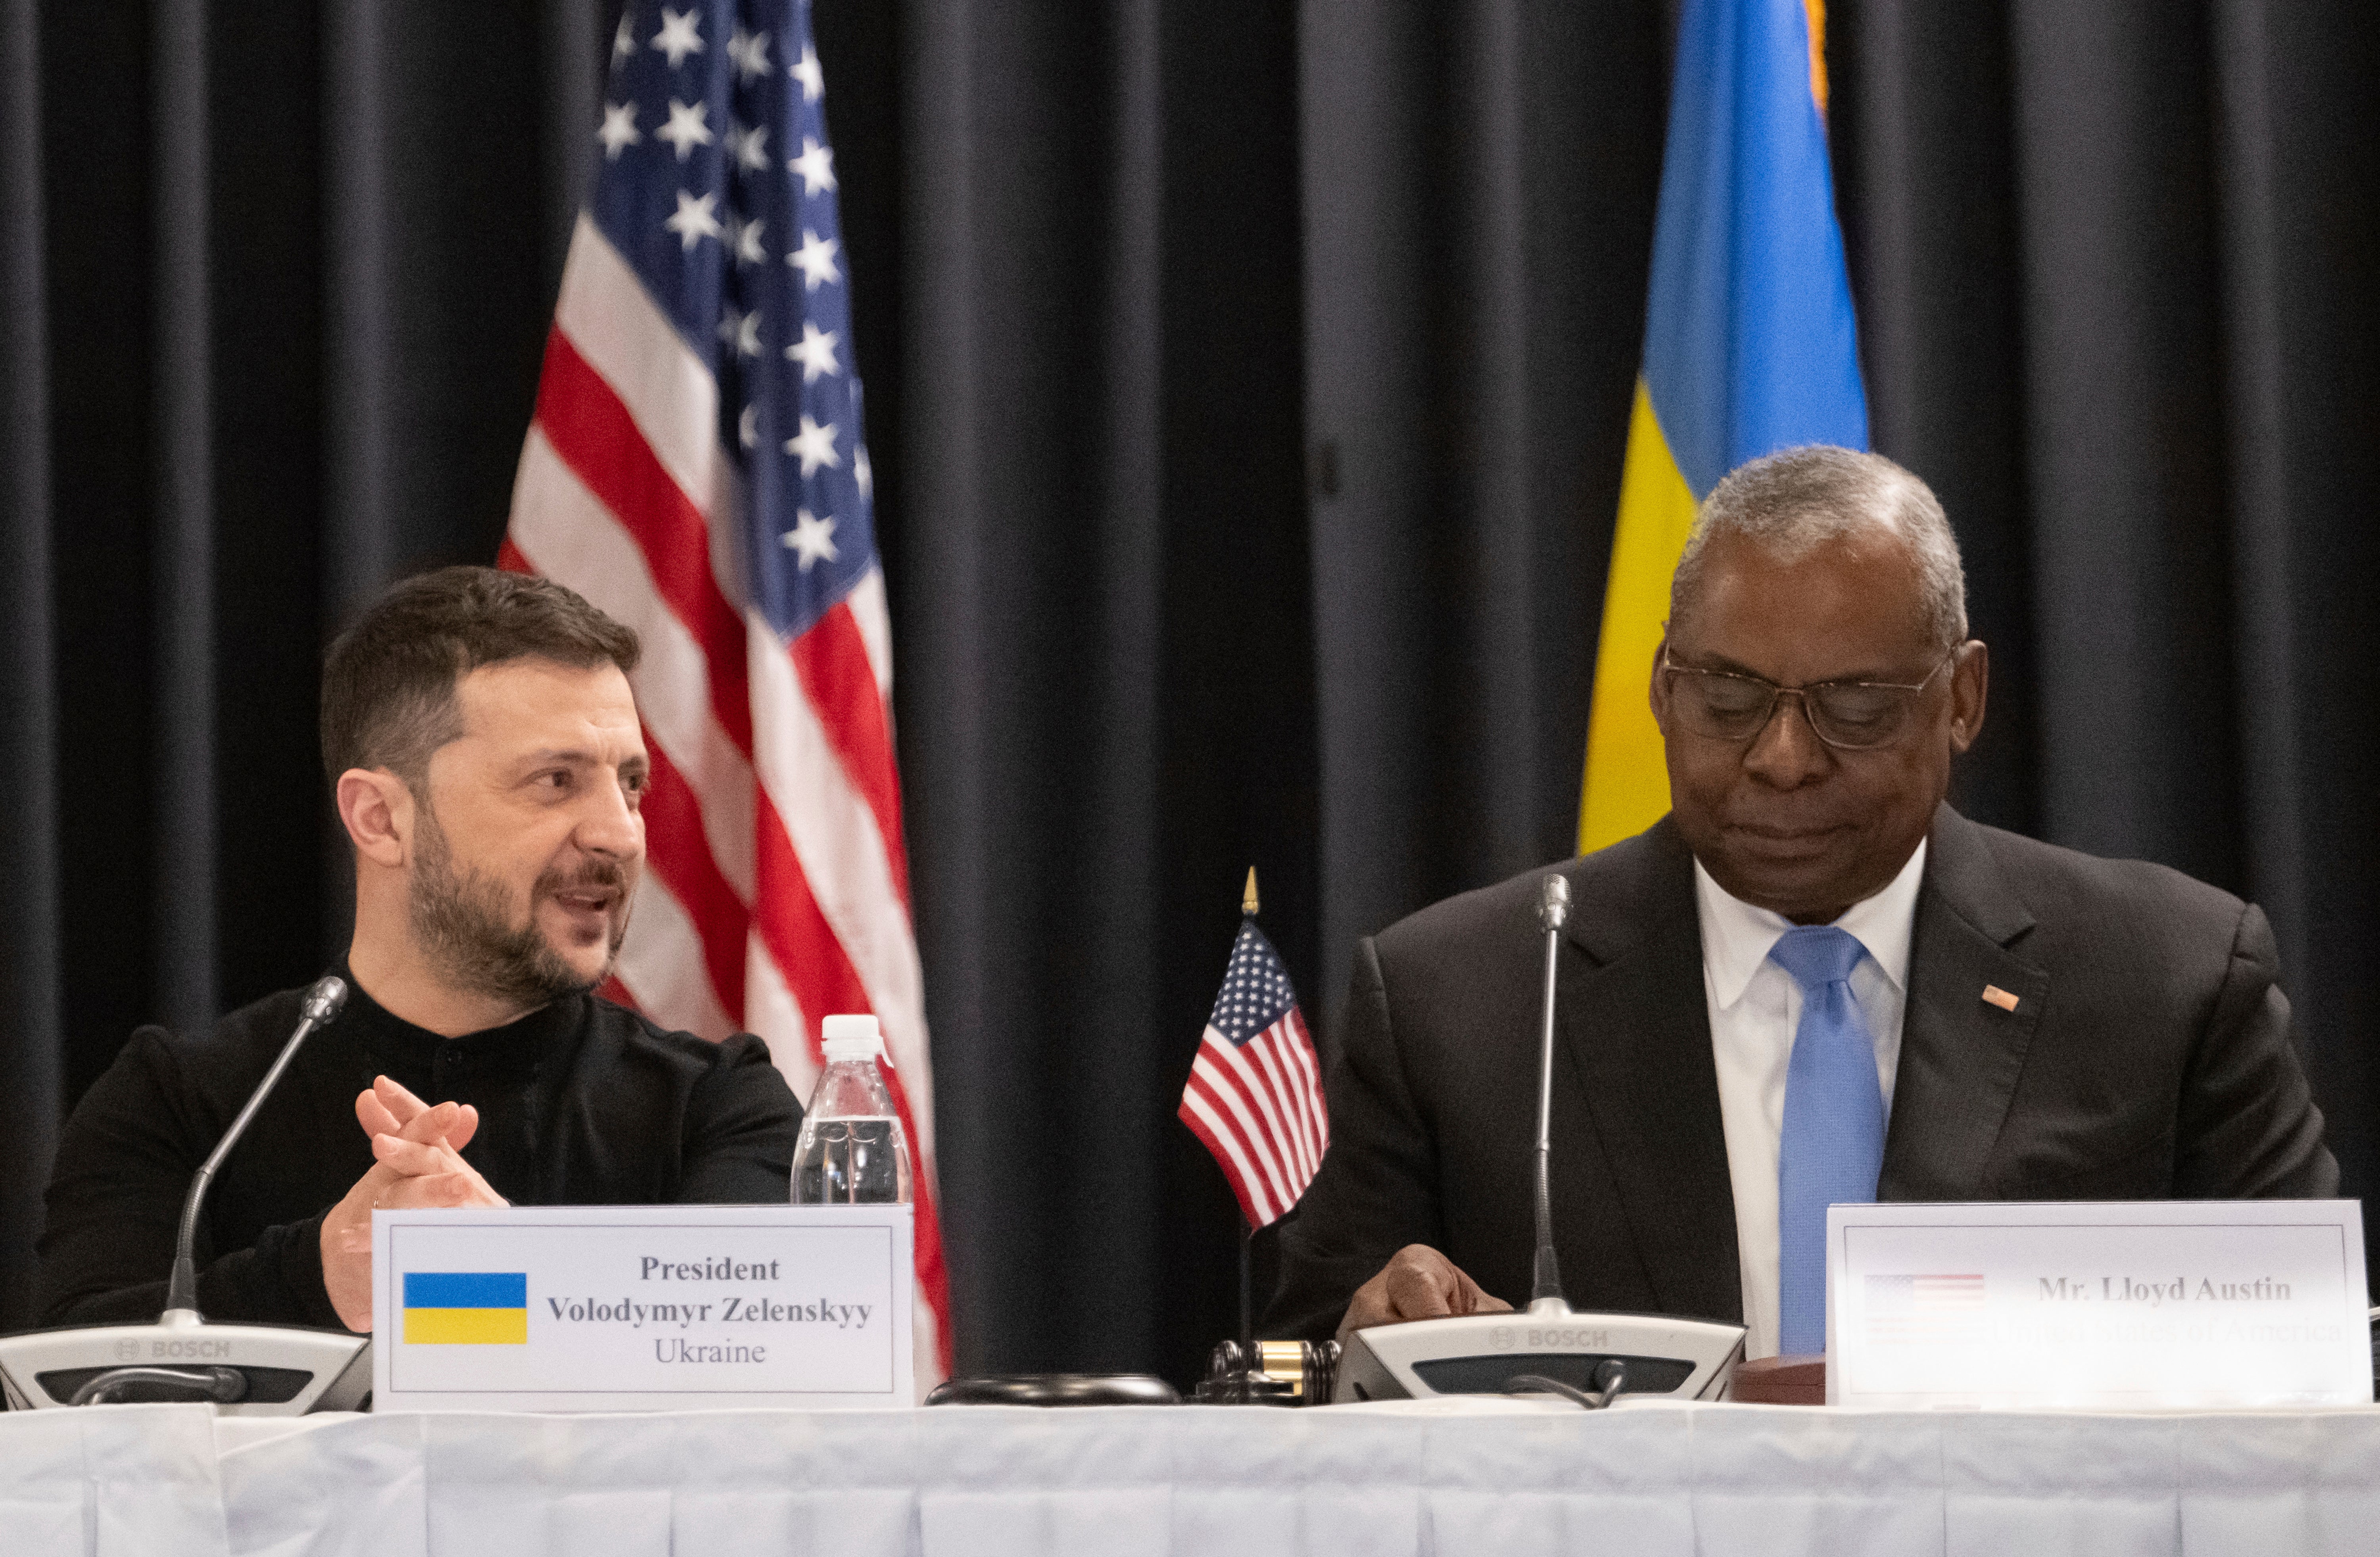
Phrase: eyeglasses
x=1849 y=716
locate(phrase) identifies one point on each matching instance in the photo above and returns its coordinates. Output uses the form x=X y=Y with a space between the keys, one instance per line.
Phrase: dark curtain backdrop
x=1247 y=386
x=277 y=276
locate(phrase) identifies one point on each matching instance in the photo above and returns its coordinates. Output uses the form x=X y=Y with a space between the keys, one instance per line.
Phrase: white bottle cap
x=851 y=1037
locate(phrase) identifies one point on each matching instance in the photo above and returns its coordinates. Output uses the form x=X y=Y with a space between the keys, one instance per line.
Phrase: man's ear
x=1659 y=692
x=1970 y=680
x=377 y=808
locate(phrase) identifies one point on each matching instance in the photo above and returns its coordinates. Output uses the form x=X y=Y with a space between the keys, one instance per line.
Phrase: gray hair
x=1790 y=503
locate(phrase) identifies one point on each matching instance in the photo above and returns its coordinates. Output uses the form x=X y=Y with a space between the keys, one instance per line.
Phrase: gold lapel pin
x=1995 y=996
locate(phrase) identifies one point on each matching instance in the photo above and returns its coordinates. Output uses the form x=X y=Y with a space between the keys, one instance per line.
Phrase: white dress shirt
x=1755 y=1008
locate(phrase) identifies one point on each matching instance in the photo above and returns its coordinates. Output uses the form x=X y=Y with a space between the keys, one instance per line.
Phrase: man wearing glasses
x=1812 y=982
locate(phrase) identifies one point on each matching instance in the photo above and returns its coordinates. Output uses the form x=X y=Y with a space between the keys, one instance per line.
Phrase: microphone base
x=283 y=1371
x=1477 y=1354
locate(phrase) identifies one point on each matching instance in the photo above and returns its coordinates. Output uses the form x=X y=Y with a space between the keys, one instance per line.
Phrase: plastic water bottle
x=853 y=1152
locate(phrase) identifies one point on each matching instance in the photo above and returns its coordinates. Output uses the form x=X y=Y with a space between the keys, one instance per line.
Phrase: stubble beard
x=460 y=919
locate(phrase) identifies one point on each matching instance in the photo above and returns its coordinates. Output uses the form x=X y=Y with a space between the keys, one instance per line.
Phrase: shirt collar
x=1736 y=936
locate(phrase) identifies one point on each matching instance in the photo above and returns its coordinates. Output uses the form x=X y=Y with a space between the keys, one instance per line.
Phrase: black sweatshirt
x=581 y=1103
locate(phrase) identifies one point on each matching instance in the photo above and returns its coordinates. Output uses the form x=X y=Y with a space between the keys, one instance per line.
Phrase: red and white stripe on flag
x=776 y=883
x=1257 y=1106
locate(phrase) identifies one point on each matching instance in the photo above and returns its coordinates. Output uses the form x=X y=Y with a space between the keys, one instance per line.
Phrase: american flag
x=696 y=469
x=1254 y=1094
x=1927 y=1308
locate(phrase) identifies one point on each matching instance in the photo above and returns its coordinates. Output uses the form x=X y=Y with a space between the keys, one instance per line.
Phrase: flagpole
x=1247 y=1283
x=1247 y=1324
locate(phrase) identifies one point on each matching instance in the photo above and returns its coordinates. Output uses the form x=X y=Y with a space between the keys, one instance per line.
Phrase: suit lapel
x=1637 y=1030
x=1960 y=1054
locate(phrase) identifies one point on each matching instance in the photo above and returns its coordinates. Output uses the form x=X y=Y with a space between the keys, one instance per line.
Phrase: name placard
x=2129 y=1306
x=642 y=1308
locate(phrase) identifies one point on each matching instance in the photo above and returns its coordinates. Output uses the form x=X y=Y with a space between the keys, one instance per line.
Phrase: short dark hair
x=388 y=681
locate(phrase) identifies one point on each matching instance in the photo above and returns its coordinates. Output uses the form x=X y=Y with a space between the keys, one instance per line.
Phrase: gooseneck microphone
x=1588 y=1359
x=324 y=1000
x=243 y=1369
x=1553 y=907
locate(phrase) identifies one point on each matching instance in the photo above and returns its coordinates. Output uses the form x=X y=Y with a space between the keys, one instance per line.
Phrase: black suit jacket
x=2149 y=1057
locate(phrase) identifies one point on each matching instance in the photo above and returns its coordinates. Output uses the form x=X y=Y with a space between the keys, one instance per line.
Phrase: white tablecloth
x=1653 y=1479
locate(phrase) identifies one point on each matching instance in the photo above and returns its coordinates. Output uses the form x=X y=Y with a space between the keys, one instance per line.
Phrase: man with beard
x=485 y=747
x=1813 y=982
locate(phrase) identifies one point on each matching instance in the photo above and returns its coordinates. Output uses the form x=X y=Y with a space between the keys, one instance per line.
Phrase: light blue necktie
x=1832 y=1148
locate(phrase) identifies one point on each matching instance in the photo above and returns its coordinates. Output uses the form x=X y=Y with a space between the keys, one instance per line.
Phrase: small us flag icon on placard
x=1925 y=1308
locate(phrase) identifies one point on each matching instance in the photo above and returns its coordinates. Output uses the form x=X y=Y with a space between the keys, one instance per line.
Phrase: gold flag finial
x=1248 y=899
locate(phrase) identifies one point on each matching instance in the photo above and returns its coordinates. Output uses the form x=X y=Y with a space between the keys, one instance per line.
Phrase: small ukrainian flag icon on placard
x=466 y=1308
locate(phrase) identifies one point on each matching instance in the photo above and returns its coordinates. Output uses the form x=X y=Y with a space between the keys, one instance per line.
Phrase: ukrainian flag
x=466 y=1308
x=1749 y=347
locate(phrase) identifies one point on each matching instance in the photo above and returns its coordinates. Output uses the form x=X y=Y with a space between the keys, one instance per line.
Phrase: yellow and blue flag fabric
x=1749 y=347
x=466 y=1308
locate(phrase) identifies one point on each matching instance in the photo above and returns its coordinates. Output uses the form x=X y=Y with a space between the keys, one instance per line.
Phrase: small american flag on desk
x=696 y=468
x=1254 y=1094
x=1925 y=1308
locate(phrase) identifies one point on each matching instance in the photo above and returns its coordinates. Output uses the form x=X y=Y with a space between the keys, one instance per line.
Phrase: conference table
x=1453 y=1478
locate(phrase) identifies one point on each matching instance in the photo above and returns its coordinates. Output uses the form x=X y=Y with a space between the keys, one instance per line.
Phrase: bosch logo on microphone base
x=194 y=1349
x=1505 y=1337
